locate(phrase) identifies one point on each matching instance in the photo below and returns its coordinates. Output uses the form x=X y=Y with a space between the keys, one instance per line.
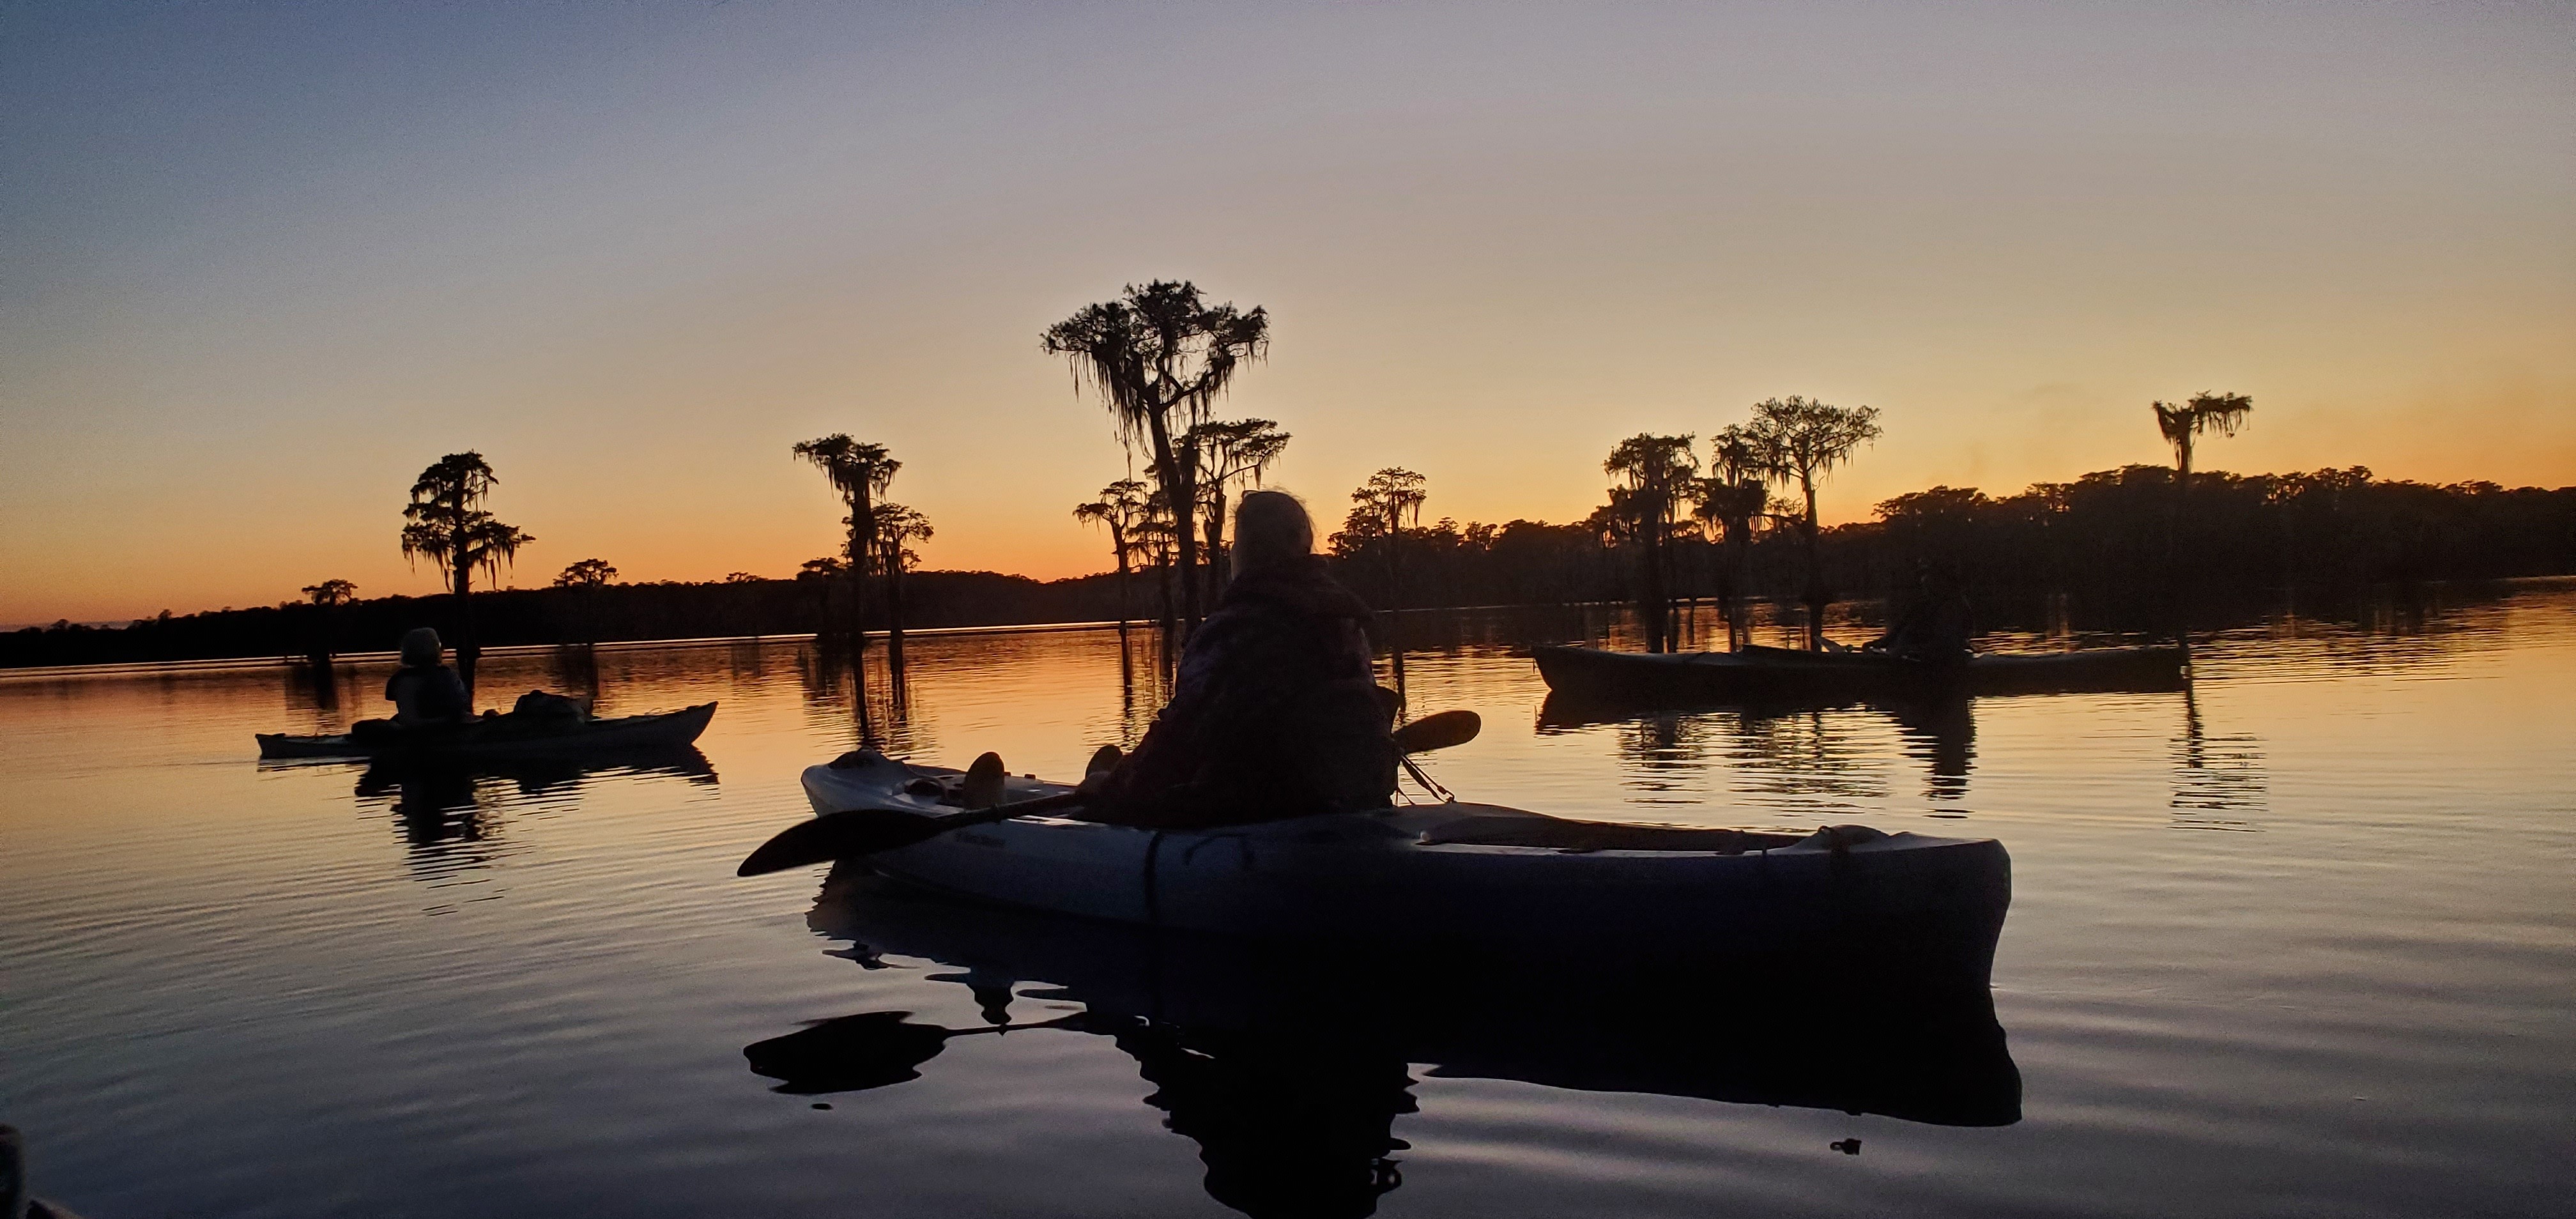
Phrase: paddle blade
x=837 y=836
x=1438 y=731
x=850 y=1054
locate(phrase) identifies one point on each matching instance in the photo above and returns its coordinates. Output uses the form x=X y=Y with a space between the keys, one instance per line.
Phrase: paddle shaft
x=1000 y=812
x=851 y=833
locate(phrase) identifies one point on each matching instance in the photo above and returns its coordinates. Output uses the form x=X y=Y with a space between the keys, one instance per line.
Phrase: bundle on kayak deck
x=1455 y=873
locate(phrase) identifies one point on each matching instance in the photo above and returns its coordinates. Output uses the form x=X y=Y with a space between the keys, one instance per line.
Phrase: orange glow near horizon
x=631 y=258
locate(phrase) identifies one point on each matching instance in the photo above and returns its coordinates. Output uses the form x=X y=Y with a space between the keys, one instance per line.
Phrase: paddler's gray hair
x=420 y=646
x=1271 y=527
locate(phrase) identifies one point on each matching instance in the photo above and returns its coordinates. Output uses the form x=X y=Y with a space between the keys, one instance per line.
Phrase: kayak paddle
x=866 y=831
x=1439 y=731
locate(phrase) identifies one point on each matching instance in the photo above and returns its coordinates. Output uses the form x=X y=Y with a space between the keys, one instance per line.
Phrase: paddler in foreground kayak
x=1276 y=713
x=1276 y=710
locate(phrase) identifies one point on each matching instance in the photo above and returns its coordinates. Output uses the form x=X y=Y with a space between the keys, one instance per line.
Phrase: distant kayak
x=500 y=736
x=1451 y=872
x=1765 y=672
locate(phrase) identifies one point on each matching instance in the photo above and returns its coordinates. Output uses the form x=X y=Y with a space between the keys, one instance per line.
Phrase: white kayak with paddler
x=1480 y=874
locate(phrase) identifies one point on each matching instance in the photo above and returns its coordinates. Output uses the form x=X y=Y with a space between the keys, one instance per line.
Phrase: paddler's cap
x=420 y=646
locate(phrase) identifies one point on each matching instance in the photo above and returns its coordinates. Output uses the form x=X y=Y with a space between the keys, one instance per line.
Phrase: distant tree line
x=2100 y=540
x=569 y=614
x=2137 y=543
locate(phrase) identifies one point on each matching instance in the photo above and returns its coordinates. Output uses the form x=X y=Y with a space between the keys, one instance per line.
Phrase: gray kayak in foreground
x=1450 y=872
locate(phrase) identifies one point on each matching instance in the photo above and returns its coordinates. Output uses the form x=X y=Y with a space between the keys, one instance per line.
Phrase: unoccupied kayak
x=503 y=736
x=1765 y=672
x=1450 y=872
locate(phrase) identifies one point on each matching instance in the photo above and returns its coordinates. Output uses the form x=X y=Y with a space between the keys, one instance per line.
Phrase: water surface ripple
x=2298 y=941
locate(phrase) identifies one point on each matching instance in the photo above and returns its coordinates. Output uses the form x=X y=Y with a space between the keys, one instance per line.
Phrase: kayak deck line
x=1490 y=825
x=1464 y=874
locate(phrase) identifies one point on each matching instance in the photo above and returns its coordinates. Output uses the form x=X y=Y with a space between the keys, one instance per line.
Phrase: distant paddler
x=1936 y=623
x=424 y=690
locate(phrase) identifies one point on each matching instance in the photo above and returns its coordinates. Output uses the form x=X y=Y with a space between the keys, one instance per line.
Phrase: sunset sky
x=260 y=264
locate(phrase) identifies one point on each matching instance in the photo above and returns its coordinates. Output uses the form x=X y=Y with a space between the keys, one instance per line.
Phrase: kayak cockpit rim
x=1448 y=823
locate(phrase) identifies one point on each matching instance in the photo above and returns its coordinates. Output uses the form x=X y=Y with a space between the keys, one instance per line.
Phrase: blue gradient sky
x=262 y=264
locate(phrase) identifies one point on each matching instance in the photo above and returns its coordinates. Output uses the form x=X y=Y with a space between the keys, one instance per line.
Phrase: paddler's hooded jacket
x=1275 y=713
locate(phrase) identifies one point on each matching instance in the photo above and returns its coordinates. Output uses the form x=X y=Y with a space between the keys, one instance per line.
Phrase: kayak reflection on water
x=438 y=798
x=1289 y=1064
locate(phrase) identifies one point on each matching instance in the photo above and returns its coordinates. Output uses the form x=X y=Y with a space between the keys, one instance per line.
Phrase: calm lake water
x=2301 y=941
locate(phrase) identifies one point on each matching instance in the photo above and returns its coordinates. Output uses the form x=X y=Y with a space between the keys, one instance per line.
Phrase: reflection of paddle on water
x=868 y=1050
x=1285 y=1126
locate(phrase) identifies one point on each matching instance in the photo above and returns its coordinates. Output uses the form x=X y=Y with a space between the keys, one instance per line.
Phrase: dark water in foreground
x=2301 y=942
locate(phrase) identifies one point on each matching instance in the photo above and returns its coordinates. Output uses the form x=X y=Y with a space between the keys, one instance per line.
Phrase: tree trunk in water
x=317 y=652
x=1125 y=601
x=2173 y=542
x=1395 y=615
x=467 y=651
x=894 y=608
x=1651 y=597
x=863 y=531
x=1740 y=553
x=1220 y=564
x=1180 y=496
x=1685 y=600
x=1815 y=573
x=1726 y=606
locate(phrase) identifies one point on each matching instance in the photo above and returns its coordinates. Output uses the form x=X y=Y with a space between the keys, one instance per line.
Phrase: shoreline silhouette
x=2090 y=551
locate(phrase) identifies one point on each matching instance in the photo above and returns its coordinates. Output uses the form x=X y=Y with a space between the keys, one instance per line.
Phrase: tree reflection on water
x=2216 y=779
x=1814 y=751
x=873 y=699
